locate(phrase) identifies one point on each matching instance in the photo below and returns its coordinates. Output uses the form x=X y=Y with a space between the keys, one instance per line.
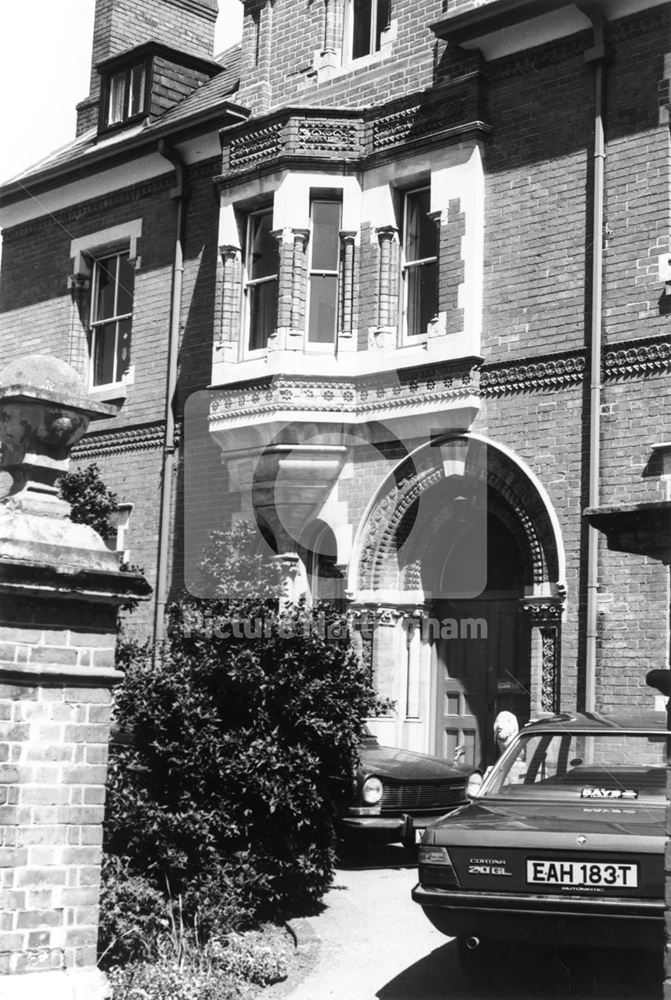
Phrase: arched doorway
x=462 y=538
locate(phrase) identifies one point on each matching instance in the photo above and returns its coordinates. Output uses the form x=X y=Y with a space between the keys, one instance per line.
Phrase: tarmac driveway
x=371 y=941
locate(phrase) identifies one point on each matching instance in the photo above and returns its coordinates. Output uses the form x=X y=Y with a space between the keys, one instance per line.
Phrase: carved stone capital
x=542 y=611
x=386 y=234
x=228 y=252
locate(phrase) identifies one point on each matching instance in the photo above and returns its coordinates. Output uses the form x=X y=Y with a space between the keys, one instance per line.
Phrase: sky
x=45 y=62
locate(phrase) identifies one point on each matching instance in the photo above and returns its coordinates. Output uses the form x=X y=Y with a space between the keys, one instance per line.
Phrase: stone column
x=385 y=334
x=60 y=589
x=346 y=282
x=227 y=343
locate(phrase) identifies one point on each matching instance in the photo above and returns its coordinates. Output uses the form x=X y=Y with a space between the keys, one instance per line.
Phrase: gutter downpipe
x=178 y=194
x=596 y=55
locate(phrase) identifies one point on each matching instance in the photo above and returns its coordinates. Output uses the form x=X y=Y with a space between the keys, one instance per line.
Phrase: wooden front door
x=481 y=669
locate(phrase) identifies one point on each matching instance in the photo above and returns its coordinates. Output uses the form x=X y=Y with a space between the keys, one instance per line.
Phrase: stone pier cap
x=44 y=412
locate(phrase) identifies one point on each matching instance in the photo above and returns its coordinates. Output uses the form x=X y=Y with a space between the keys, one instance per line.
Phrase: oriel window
x=420 y=266
x=324 y=251
x=262 y=272
x=111 y=318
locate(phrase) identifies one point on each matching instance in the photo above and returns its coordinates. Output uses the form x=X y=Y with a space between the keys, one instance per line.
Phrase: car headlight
x=372 y=791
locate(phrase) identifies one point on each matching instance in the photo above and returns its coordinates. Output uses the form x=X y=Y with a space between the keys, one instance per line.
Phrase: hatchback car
x=396 y=794
x=561 y=846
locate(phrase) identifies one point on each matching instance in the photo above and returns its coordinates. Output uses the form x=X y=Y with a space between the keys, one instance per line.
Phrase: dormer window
x=146 y=81
x=126 y=94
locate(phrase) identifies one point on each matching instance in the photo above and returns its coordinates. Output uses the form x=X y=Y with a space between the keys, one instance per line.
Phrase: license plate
x=419 y=833
x=601 y=874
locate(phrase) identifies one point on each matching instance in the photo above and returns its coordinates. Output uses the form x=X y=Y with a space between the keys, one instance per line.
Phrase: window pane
x=323 y=308
x=421 y=284
x=103 y=354
x=106 y=286
x=116 y=98
x=382 y=20
x=263 y=259
x=126 y=285
x=325 y=235
x=123 y=349
x=262 y=313
x=136 y=101
x=361 y=25
x=421 y=236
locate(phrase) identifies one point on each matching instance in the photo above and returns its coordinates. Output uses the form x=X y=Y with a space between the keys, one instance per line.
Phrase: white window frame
x=83 y=251
x=251 y=283
x=311 y=346
x=407 y=266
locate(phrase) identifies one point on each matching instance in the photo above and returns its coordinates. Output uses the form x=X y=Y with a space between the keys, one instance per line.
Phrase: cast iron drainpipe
x=178 y=193
x=596 y=55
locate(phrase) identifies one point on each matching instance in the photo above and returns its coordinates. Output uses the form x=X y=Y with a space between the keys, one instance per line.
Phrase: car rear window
x=583 y=765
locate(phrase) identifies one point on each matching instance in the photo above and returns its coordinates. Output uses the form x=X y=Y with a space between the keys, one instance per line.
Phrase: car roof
x=645 y=720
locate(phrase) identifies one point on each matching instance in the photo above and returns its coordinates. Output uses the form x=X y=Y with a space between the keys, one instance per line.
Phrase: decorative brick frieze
x=420 y=116
x=362 y=397
x=638 y=358
x=118 y=442
x=549 y=373
x=256 y=147
x=354 y=136
x=326 y=135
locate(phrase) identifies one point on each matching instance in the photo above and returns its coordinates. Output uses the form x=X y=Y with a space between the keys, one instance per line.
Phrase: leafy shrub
x=133 y=913
x=92 y=502
x=225 y=794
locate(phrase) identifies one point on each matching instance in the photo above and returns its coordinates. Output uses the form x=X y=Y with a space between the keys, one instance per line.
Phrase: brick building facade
x=394 y=280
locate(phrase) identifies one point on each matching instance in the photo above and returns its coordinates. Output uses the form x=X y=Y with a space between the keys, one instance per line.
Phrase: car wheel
x=484 y=961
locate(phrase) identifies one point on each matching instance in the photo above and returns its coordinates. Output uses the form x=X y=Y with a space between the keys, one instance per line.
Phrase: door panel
x=479 y=675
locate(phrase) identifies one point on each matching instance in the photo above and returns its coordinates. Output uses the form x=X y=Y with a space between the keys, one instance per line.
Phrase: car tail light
x=435 y=867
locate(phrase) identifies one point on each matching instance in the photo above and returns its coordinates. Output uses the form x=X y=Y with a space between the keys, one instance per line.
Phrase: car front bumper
x=386 y=829
x=545 y=919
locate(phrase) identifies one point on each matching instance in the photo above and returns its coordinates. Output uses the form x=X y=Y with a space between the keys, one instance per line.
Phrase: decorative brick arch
x=517 y=495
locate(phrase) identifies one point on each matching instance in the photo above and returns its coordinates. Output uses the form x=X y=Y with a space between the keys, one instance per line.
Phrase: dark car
x=562 y=846
x=396 y=794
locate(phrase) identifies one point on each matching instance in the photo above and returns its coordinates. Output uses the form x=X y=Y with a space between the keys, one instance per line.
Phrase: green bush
x=225 y=795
